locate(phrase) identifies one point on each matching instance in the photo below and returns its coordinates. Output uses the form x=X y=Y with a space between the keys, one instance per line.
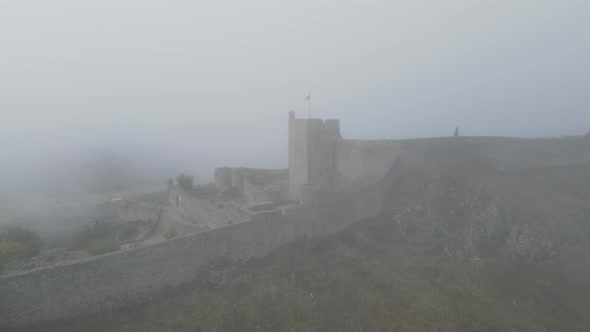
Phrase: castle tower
x=311 y=153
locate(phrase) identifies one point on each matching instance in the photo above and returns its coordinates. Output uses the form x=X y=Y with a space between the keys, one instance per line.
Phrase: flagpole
x=309 y=107
x=308 y=99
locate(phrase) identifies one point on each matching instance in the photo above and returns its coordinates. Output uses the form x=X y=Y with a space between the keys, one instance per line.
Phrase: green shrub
x=102 y=246
x=185 y=181
x=11 y=255
x=95 y=239
x=171 y=232
x=128 y=230
x=26 y=237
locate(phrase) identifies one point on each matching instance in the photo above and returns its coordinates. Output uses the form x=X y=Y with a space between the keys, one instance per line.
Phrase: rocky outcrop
x=529 y=244
x=478 y=212
x=488 y=228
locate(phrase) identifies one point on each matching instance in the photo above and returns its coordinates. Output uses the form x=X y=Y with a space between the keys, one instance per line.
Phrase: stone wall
x=213 y=214
x=262 y=185
x=131 y=211
x=113 y=280
x=360 y=162
x=254 y=194
x=255 y=185
x=311 y=152
x=297 y=156
x=222 y=178
x=321 y=138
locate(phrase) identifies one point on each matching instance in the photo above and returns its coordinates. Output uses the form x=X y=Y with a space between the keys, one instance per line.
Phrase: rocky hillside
x=525 y=216
x=465 y=248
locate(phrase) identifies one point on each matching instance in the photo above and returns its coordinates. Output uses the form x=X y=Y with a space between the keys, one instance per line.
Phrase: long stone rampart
x=109 y=281
x=360 y=162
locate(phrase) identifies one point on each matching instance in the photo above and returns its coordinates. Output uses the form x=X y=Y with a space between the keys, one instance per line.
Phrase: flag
x=308 y=97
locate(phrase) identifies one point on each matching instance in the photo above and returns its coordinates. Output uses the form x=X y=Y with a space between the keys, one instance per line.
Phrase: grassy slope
x=372 y=278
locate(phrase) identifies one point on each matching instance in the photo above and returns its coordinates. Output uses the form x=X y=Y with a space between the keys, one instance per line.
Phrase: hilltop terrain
x=461 y=248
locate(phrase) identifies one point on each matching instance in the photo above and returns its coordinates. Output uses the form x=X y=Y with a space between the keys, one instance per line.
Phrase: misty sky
x=209 y=83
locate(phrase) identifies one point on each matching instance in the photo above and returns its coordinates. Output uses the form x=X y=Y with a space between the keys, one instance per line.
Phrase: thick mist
x=189 y=86
x=114 y=115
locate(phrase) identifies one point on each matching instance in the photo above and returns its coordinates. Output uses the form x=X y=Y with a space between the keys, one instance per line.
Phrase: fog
x=188 y=86
x=115 y=113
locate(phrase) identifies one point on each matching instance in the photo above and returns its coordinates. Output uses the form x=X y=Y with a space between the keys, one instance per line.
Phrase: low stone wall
x=132 y=211
x=255 y=194
x=269 y=176
x=203 y=212
x=255 y=185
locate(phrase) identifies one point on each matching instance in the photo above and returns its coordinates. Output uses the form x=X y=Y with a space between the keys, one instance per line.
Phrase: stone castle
x=331 y=183
x=321 y=162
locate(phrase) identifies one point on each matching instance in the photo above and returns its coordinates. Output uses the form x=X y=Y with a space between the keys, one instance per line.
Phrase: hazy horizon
x=196 y=85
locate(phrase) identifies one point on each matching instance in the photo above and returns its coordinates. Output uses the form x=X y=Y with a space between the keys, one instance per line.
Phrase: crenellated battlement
x=320 y=158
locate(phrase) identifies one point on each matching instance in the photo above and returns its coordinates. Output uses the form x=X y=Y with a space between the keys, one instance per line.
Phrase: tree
x=185 y=181
x=16 y=245
x=456 y=134
x=98 y=238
